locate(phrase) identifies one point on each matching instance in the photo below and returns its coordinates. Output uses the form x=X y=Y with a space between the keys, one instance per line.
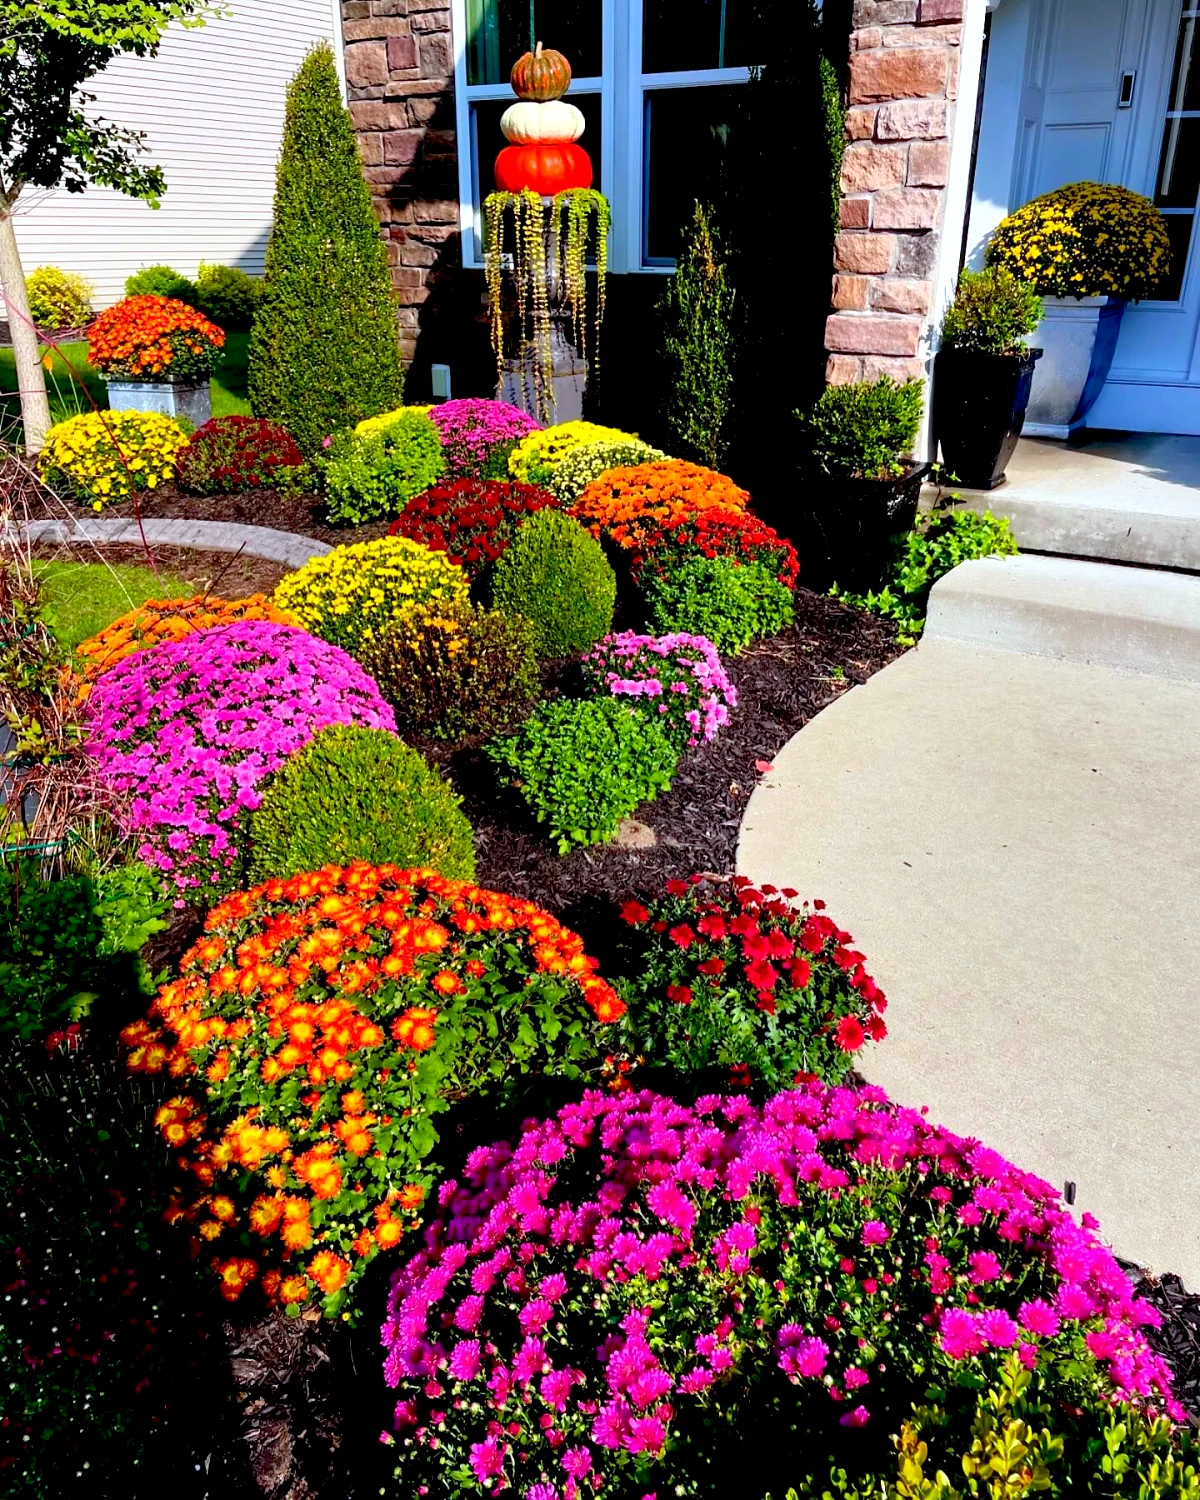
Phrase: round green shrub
x=161 y=281
x=556 y=575
x=451 y=670
x=58 y=298
x=582 y=766
x=733 y=604
x=359 y=794
x=371 y=476
x=228 y=295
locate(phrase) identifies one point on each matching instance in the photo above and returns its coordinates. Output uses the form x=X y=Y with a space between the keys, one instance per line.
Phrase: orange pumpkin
x=541 y=75
x=547 y=169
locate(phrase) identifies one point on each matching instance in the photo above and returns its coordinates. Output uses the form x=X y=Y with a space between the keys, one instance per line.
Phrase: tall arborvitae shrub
x=325 y=351
x=698 y=310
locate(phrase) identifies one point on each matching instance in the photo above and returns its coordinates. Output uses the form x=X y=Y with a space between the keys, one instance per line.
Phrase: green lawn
x=79 y=599
x=66 y=399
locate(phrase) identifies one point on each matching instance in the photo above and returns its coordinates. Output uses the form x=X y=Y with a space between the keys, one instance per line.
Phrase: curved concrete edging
x=205 y=536
x=1011 y=839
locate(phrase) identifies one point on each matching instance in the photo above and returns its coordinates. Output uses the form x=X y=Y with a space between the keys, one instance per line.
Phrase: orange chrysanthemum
x=329 y=1271
x=161 y=620
x=142 y=338
x=631 y=504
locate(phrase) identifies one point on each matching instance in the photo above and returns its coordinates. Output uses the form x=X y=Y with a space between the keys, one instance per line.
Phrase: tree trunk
x=31 y=378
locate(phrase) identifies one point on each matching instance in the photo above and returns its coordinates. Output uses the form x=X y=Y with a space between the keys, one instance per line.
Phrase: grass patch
x=79 y=599
x=71 y=367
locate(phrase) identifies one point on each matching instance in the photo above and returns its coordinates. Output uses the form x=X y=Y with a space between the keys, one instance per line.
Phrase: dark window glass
x=687 y=35
x=688 y=135
x=499 y=31
x=1185 y=83
x=1179 y=166
x=488 y=141
x=1179 y=229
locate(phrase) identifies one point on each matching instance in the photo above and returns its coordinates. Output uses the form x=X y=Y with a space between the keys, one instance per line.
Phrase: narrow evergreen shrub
x=557 y=576
x=733 y=604
x=583 y=765
x=325 y=351
x=698 y=309
x=359 y=794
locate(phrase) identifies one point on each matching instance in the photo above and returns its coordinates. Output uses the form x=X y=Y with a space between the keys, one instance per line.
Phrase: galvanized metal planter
x=192 y=402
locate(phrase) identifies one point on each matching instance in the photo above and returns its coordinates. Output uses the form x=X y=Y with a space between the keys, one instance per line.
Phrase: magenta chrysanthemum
x=677 y=678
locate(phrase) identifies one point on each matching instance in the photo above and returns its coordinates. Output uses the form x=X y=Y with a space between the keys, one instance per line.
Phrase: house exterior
x=211 y=105
x=959 y=112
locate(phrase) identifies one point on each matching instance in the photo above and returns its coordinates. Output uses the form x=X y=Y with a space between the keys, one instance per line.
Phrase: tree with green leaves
x=698 y=311
x=325 y=352
x=49 y=138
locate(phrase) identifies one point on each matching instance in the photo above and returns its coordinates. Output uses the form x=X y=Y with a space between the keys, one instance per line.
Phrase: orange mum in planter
x=154 y=338
x=161 y=620
x=631 y=504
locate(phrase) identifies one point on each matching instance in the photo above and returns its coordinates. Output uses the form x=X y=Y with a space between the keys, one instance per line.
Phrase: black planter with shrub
x=862 y=487
x=983 y=374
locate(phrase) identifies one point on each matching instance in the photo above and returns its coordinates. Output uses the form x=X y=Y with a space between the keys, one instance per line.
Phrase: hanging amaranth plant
x=570 y=217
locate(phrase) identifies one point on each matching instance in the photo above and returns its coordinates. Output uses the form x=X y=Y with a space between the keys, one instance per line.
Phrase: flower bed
x=317 y=1027
x=187 y=731
x=645 y=1297
x=161 y=620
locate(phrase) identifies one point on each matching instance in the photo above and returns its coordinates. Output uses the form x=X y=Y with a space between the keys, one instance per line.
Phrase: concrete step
x=1131 y=619
x=1115 y=498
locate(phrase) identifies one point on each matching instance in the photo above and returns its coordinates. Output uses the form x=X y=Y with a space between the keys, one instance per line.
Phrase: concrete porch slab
x=1118 y=497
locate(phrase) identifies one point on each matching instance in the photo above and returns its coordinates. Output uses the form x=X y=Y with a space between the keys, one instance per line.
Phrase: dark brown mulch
x=227 y=575
x=782 y=683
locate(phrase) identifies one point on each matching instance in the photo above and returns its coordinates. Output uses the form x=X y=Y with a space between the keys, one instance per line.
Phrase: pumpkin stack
x=542 y=129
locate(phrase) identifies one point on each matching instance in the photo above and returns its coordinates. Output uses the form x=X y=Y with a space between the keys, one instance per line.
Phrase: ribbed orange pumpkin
x=541 y=75
x=547 y=169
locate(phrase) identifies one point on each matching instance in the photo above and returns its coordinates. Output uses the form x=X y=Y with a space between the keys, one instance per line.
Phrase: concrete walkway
x=206 y=536
x=1014 y=842
x=1123 y=498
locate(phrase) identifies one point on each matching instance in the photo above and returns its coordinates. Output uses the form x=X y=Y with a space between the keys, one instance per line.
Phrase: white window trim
x=622 y=91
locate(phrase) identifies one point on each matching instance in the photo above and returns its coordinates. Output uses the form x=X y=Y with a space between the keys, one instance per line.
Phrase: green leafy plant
x=557 y=576
x=131 y=907
x=993 y=312
x=161 y=281
x=370 y=476
x=834 y=109
x=939 y=541
x=325 y=351
x=228 y=295
x=583 y=766
x=733 y=604
x=699 y=312
x=864 y=430
x=359 y=794
x=451 y=670
x=58 y=298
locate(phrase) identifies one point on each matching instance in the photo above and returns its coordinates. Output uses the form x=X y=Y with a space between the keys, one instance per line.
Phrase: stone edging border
x=205 y=536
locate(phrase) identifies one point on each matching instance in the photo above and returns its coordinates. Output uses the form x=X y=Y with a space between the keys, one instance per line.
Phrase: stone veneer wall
x=904 y=57
x=400 y=83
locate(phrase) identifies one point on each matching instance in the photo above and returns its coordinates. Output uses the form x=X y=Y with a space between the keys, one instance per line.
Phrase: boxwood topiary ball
x=359 y=794
x=557 y=576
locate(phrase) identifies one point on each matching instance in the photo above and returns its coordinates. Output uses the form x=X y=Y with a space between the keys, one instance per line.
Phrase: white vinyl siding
x=211 y=106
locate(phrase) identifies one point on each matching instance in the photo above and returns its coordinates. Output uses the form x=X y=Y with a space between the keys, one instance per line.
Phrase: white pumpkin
x=530 y=124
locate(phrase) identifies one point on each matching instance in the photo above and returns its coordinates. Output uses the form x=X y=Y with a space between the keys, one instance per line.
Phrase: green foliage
x=733 y=604
x=864 y=430
x=161 y=281
x=940 y=540
x=993 y=312
x=368 y=477
x=58 y=298
x=228 y=295
x=325 y=351
x=453 y=670
x=65 y=942
x=583 y=766
x=359 y=794
x=699 y=311
x=557 y=576
x=835 y=135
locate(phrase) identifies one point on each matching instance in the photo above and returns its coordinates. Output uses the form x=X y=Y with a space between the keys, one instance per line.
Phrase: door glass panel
x=499 y=31
x=683 y=36
x=1179 y=161
x=688 y=132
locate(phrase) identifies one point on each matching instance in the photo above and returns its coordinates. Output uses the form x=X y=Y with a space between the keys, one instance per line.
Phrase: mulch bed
x=1178 y=1340
x=228 y=575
